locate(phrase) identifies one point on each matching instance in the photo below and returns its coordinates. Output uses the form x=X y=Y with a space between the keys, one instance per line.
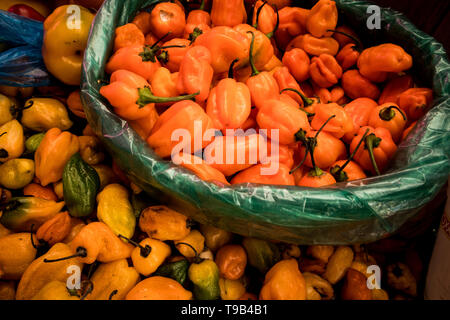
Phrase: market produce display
x=74 y=226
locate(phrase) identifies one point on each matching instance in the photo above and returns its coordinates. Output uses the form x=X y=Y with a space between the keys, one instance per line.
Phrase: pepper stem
x=197 y=259
x=194 y=34
x=372 y=141
x=160 y=39
x=81 y=252
x=338 y=173
x=323 y=126
x=202 y=6
x=146 y=96
x=230 y=70
x=272 y=33
x=301 y=162
x=252 y=63
x=145 y=251
x=388 y=113
x=358 y=42
x=88 y=290
x=306 y=101
x=112 y=294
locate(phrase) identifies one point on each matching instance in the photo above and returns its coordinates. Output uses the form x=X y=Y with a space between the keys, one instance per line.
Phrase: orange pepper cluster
x=336 y=110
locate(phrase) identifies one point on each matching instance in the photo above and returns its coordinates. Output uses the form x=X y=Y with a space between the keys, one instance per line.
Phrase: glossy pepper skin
x=167 y=17
x=286 y=80
x=284 y=281
x=229 y=103
x=196 y=73
x=380 y=141
x=394 y=88
x=322 y=17
x=16 y=254
x=254 y=174
x=158 y=288
x=175 y=50
x=42 y=114
x=225 y=44
x=415 y=102
x=164 y=84
x=314 y=46
x=11 y=140
x=55 y=229
x=338 y=126
x=137 y=59
x=75 y=105
x=99 y=243
x=111 y=276
x=201 y=169
x=39 y=273
x=228 y=12
x=53 y=153
x=54 y=290
x=250 y=147
x=205 y=277
x=181 y=115
x=298 y=63
x=356 y=86
x=128 y=35
x=64 y=58
x=325 y=71
x=374 y=63
x=359 y=111
x=391 y=117
x=352 y=170
x=267 y=18
x=348 y=56
x=292 y=22
x=276 y=114
x=149 y=256
x=231 y=260
x=199 y=19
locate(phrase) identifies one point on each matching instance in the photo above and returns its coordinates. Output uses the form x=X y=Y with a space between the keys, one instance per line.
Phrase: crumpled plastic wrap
x=22 y=65
x=355 y=212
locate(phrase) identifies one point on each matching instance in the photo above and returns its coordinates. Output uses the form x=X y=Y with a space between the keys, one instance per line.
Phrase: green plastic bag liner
x=354 y=212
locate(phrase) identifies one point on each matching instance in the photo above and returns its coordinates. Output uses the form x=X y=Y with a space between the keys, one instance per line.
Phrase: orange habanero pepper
x=75 y=105
x=348 y=56
x=201 y=169
x=394 y=88
x=338 y=126
x=164 y=83
x=173 y=53
x=323 y=17
x=325 y=71
x=264 y=18
x=357 y=86
x=231 y=259
x=391 y=117
x=292 y=21
x=314 y=46
x=142 y=21
x=345 y=35
x=128 y=35
x=415 y=101
x=197 y=19
x=408 y=130
x=196 y=73
x=131 y=95
x=359 y=110
x=54 y=151
x=286 y=80
x=36 y=190
x=298 y=63
x=229 y=103
x=255 y=174
x=378 y=149
x=181 y=115
x=374 y=63
x=228 y=12
x=167 y=17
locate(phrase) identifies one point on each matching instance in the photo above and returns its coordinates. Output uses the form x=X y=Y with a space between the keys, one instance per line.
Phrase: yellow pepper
x=231 y=289
x=65 y=38
x=54 y=290
x=12 y=141
x=6 y=109
x=149 y=255
x=16 y=254
x=112 y=277
x=115 y=210
x=16 y=173
x=53 y=153
x=23 y=92
x=194 y=239
x=42 y=114
x=40 y=273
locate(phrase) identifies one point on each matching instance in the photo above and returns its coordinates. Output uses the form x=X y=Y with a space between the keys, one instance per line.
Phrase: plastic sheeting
x=22 y=65
x=355 y=212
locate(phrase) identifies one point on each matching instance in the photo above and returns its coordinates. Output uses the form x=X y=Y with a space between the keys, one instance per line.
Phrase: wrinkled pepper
x=42 y=114
x=340 y=125
x=16 y=254
x=167 y=17
x=415 y=102
x=322 y=18
x=325 y=71
x=356 y=86
x=55 y=229
x=314 y=46
x=391 y=117
x=298 y=63
x=11 y=140
x=228 y=12
x=394 y=88
x=128 y=35
x=261 y=254
x=158 y=288
x=201 y=169
x=231 y=260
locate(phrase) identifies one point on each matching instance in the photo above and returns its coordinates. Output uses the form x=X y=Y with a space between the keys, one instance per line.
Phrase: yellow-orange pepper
x=12 y=141
x=167 y=17
x=149 y=255
x=53 y=153
x=322 y=17
x=228 y=12
x=158 y=288
x=314 y=46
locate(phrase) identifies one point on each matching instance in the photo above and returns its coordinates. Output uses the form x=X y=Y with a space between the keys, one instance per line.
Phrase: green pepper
x=20 y=213
x=176 y=270
x=80 y=185
x=33 y=142
x=205 y=277
x=261 y=254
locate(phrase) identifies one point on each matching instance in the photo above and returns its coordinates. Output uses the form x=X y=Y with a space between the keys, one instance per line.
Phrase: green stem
x=197 y=259
x=146 y=96
x=230 y=70
x=81 y=252
x=252 y=63
x=202 y=6
x=301 y=162
x=257 y=15
x=160 y=39
x=388 y=113
x=272 y=33
x=323 y=126
x=372 y=141
x=306 y=101
x=194 y=34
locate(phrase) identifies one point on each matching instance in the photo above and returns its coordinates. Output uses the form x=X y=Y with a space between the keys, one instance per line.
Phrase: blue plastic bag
x=22 y=65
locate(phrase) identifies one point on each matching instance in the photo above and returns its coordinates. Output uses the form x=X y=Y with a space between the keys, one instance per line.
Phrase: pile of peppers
x=74 y=227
